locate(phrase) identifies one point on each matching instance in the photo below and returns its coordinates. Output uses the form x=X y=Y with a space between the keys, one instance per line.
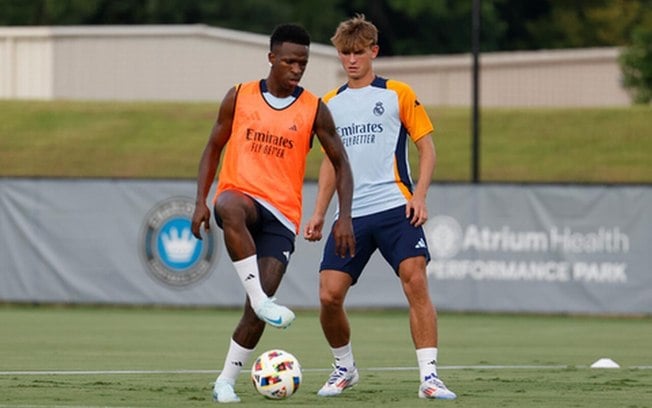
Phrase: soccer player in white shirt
x=376 y=118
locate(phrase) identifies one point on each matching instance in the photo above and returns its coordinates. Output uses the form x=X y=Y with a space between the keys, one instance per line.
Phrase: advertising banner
x=498 y=247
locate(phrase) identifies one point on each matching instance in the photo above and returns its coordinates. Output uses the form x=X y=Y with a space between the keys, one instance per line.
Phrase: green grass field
x=89 y=357
x=165 y=140
x=152 y=357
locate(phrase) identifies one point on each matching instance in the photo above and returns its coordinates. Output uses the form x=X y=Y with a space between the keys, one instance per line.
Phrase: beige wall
x=26 y=66
x=200 y=63
x=184 y=63
x=582 y=77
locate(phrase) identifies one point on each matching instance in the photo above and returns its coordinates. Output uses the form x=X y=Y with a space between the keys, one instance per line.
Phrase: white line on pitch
x=62 y=406
x=453 y=367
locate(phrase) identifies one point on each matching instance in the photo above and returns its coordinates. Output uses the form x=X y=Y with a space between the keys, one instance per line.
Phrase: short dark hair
x=293 y=33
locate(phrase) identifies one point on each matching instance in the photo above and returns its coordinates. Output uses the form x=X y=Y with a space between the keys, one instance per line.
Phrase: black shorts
x=270 y=236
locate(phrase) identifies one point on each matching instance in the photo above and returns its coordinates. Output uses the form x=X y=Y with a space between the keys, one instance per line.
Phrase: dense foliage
x=407 y=27
x=636 y=62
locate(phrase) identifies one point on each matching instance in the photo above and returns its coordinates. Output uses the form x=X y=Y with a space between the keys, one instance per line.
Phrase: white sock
x=236 y=358
x=247 y=269
x=427 y=359
x=344 y=356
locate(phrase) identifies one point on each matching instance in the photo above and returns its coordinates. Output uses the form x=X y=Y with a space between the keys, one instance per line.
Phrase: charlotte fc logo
x=172 y=255
x=444 y=236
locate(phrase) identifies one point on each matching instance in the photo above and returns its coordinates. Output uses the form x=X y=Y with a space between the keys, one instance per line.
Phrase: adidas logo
x=179 y=246
x=293 y=127
x=237 y=363
x=421 y=243
x=250 y=276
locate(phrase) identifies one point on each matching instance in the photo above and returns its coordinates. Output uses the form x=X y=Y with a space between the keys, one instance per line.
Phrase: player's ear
x=374 y=50
x=271 y=57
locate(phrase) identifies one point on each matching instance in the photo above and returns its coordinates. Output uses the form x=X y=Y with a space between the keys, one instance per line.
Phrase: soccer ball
x=276 y=374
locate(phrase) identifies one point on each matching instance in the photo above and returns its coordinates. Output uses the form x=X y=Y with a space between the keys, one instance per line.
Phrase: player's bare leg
x=333 y=286
x=423 y=327
x=237 y=212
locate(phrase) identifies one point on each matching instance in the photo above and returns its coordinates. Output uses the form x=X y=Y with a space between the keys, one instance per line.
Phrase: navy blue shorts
x=389 y=231
x=270 y=236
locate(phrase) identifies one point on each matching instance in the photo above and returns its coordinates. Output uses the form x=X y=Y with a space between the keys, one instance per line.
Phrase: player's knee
x=414 y=278
x=230 y=215
x=330 y=299
x=415 y=284
x=233 y=207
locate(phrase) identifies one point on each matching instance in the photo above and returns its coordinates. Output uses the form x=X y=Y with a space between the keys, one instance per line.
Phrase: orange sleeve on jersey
x=327 y=97
x=413 y=114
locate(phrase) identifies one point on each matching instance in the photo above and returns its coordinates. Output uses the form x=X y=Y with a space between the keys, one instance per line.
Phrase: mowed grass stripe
x=543 y=360
x=165 y=140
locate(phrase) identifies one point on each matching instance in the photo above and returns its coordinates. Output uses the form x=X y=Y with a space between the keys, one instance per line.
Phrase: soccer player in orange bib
x=376 y=118
x=266 y=128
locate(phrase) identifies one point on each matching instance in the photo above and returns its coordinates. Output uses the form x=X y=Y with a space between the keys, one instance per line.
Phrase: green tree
x=439 y=27
x=636 y=65
x=407 y=27
x=581 y=23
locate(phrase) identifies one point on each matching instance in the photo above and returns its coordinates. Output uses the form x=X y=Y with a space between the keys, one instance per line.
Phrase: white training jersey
x=375 y=123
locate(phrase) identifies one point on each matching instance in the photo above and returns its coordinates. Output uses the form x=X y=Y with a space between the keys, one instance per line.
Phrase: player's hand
x=313 y=230
x=202 y=215
x=417 y=211
x=344 y=237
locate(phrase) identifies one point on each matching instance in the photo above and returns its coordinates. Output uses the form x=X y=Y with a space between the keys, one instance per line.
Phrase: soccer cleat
x=340 y=379
x=434 y=388
x=273 y=314
x=223 y=392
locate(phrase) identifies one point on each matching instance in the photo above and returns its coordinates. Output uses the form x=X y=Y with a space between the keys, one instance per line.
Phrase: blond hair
x=355 y=34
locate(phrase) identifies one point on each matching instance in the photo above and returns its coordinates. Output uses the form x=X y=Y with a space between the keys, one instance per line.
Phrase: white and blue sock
x=427 y=359
x=344 y=356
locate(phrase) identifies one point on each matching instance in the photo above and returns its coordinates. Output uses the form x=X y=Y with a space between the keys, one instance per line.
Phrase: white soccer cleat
x=223 y=392
x=434 y=388
x=340 y=379
x=273 y=314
